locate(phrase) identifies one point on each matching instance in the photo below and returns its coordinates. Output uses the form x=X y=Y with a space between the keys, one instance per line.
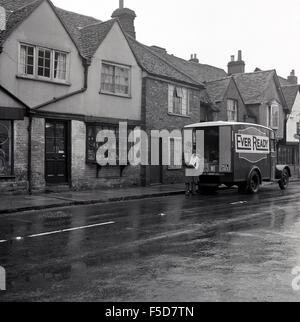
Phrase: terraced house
x=64 y=77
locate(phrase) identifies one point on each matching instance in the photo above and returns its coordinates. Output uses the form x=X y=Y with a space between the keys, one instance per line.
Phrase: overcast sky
x=266 y=30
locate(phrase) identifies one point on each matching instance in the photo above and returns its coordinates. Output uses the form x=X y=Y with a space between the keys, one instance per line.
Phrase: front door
x=156 y=171
x=56 y=152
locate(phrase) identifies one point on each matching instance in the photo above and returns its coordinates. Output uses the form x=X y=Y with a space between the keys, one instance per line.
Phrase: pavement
x=20 y=203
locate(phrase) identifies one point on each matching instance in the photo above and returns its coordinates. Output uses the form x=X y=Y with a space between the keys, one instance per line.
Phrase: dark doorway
x=56 y=134
x=156 y=172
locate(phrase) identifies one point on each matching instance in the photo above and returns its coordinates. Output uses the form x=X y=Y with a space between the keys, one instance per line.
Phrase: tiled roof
x=88 y=33
x=20 y=9
x=200 y=72
x=283 y=81
x=15 y=17
x=92 y=36
x=156 y=65
x=252 y=86
x=218 y=88
x=290 y=94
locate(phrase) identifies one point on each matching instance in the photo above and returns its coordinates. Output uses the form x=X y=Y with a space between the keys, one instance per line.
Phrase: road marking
x=71 y=229
x=60 y=231
x=239 y=203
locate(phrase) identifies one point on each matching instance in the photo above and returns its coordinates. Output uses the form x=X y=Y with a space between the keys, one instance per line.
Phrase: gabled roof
x=88 y=33
x=92 y=36
x=154 y=64
x=199 y=72
x=19 y=10
x=290 y=93
x=217 y=89
x=283 y=81
x=16 y=17
x=253 y=85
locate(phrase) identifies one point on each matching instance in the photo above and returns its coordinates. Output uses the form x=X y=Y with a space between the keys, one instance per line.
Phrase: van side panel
x=245 y=162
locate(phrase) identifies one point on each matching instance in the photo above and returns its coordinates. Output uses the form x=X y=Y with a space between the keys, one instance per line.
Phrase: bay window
x=6 y=146
x=42 y=63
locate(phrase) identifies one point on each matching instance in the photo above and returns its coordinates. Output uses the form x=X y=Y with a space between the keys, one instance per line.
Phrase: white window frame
x=35 y=75
x=176 y=141
x=116 y=65
x=171 y=107
x=236 y=109
x=270 y=113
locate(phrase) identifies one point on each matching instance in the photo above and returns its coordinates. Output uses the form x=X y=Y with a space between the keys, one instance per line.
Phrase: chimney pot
x=293 y=79
x=236 y=66
x=126 y=18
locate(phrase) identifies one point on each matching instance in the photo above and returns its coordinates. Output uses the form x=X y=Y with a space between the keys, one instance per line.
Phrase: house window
x=93 y=145
x=115 y=79
x=60 y=65
x=175 y=154
x=298 y=128
x=232 y=110
x=42 y=63
x=178 y=101
x=6 y=144
x=27 y=60
x=273 y=116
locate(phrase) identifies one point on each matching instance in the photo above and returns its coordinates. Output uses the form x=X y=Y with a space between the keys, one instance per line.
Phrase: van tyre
x=285 y=180
x=253 y=183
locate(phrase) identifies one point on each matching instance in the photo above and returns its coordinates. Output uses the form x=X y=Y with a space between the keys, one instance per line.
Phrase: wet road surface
x=227 y=247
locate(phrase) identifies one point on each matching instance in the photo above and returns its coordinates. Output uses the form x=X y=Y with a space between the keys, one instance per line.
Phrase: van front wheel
x=285 y=180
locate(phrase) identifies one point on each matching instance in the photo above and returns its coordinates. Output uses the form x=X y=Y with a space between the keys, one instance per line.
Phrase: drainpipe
x=29 y=171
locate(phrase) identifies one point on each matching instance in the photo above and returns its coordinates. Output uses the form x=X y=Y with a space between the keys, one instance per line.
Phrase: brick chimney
x=126 y=17
x=194 y=59
x=293 y=79
x=236 y=66
x=2 y=19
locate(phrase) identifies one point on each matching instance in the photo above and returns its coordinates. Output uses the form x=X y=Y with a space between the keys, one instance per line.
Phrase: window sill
x=115 y=95
x=175 y=169
x=179 y=115
x=44 y=80
x=7 y=178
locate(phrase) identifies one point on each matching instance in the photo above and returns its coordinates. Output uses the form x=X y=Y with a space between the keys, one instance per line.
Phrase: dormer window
x=42 y=63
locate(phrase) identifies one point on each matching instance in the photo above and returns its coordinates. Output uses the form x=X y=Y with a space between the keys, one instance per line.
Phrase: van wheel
x=253 y=183
x=285 y=180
